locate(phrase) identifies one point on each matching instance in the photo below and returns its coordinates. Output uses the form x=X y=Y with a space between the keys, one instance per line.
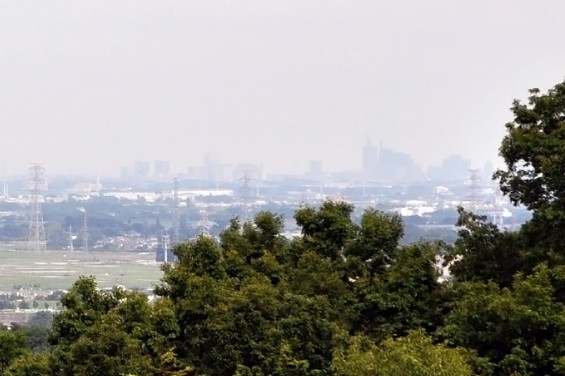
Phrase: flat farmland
x=58 y=269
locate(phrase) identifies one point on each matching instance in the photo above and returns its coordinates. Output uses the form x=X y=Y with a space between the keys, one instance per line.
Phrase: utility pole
x=166 y=245
x=71 y=246
x=84 y=231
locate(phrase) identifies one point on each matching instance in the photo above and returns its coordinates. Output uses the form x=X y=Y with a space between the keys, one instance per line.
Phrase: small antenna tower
x=36 y=227
x=176 y=216
x=84 y=231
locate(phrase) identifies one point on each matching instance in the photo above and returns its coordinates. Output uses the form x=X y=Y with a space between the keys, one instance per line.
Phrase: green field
x=59 y=269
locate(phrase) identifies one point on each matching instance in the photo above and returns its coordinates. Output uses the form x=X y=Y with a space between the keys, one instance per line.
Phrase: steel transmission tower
x=475 y=188
x=176 y=217
x=36 y=227
x=246 y=196
x=204 y=223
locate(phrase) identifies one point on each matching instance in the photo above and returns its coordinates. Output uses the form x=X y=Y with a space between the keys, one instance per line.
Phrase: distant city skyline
x=172 y=167
x=89 y=87
x=375 y=162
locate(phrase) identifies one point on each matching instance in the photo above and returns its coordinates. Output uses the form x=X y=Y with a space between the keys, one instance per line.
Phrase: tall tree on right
x=534 y=154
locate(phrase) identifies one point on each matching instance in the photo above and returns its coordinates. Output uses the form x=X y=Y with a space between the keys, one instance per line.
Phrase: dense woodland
x=345 y=298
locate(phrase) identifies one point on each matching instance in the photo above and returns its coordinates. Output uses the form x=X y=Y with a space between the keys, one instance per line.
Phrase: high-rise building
x=396 y=167
x=452 y=169
x=141 y=169
x=455 y=167
x=370 y=157
x=124 y=172
x=161 y=169
x=315 y=171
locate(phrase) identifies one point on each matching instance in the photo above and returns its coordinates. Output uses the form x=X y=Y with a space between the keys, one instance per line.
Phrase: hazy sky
x=89 y=86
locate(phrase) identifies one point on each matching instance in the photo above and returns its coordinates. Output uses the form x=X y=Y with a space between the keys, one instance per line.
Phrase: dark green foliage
x=36 y=337
x=245 y=320
x=106 y=349
x=85 y=306
x=534 y=153
x=377 y=240
x=103 y=333
x=521 y=330
x=328 y=229
x=483 y=252
x=255 y=304
x=406 y=296
x=202 y=257
x=12 y=345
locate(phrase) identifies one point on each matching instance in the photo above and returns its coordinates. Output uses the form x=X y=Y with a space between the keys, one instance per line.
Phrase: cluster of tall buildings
x=387 y=165
x=379 y=164
x=211 y=170
x=390 y=166
x=142 y=170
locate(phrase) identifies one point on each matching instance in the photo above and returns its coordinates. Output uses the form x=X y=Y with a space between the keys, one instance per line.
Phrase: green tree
x=327 y=229
x=12 y=345
x=103 y=333
x=107 y=349
x=405 y=297
x=201 y=257
x=249 y=326
x=519 y=329
x=534 y=153
x=264 y=234
x=376 y=241
x=83 y=306
x=414 y=355
x=29 y=364
x=36 y=336
x=255 y=247
x=482 y=252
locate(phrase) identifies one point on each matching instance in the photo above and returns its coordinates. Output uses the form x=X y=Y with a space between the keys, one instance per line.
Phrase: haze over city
x=89 y=87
